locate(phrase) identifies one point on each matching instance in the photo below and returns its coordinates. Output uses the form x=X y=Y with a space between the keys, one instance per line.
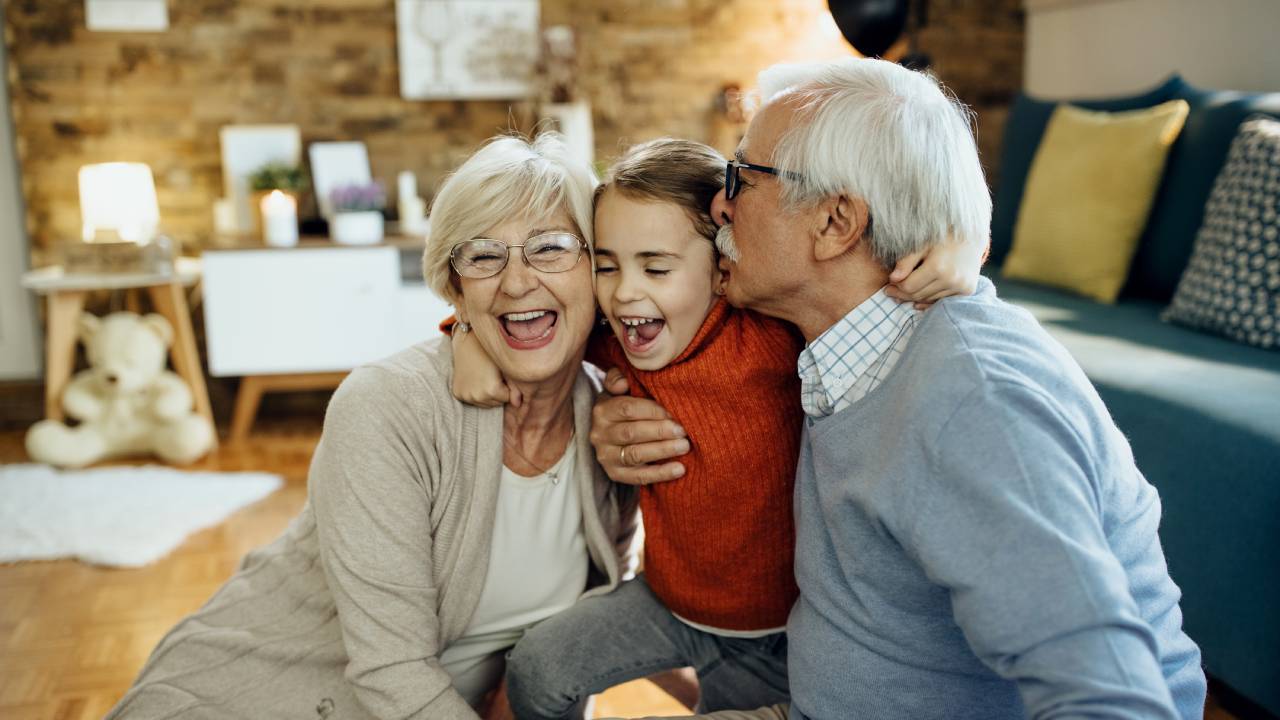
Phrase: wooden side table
x=66 y=296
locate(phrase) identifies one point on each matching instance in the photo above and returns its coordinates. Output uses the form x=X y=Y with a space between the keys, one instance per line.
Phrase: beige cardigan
x=345 y=615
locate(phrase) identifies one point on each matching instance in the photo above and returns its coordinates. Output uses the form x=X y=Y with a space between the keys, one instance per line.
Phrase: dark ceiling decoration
x=873 y=26
x=870 y=26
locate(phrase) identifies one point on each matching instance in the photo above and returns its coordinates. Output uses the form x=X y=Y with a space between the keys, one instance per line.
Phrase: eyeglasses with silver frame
x=551 y=252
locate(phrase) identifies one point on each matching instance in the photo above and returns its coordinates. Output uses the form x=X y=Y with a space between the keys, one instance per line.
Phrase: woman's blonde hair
x=509 y=177
x=684 y=173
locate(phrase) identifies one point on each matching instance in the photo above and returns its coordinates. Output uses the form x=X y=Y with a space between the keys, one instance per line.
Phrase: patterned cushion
x=1232 y=284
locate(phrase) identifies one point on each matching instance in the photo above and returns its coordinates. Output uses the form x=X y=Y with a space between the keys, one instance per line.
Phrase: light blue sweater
x=974 y=540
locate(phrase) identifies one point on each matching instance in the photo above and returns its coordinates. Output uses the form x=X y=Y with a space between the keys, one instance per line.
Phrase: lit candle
x=280 y=219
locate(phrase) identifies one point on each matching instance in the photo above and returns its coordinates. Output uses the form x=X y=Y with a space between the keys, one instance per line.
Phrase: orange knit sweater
x=719 y=542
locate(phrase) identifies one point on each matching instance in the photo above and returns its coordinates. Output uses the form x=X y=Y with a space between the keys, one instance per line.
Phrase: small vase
x=356 y=228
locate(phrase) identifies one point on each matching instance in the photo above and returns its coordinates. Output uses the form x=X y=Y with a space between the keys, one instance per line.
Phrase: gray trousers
x=628 y=634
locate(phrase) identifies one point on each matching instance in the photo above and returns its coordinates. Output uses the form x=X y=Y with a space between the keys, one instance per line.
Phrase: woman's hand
x=926 y=277
x=630 y=434
x=476 y=380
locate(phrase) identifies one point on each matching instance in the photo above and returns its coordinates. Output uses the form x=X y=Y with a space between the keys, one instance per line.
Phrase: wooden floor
x=73 y=636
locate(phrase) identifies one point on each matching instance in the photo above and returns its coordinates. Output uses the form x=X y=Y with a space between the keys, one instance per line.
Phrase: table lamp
x=119 y=216
x=118 y=203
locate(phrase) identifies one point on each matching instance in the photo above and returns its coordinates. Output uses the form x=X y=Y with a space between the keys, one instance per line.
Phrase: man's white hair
x=509 y=178
x=890 y=136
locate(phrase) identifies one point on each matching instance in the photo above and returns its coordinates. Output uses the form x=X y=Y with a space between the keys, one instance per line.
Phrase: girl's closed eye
x=657 y=271
x=605 y=267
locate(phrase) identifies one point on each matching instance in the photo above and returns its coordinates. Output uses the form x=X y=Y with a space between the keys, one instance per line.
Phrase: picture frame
x=467 y=49
x=335 y=164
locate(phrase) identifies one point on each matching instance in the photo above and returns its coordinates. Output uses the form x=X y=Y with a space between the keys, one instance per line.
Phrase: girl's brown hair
x=685 y=173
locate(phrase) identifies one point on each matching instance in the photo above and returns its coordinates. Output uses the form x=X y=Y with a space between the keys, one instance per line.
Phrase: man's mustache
x=726 y=245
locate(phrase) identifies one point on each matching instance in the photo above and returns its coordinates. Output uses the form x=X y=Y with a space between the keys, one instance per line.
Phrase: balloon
x=870 y=26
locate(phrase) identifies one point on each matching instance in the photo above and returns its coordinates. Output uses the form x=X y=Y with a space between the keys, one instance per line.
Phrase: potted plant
x=288 y=179
x=357 y=214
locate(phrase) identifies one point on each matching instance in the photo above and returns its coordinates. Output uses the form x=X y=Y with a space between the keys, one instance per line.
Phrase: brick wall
x=650 y=67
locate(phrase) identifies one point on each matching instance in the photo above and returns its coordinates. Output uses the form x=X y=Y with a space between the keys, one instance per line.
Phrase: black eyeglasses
x=733 y=184
x=553 y=252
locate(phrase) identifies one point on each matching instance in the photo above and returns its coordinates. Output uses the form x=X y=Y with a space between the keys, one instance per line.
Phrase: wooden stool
x=67 y=294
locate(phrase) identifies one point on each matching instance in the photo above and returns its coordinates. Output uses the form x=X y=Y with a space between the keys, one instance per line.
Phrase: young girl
x=719 y=541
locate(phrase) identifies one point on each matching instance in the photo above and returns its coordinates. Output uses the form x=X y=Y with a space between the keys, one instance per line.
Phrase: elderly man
x=974 y=539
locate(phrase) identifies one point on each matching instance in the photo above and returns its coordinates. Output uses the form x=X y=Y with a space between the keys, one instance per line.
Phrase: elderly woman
x=435 y=533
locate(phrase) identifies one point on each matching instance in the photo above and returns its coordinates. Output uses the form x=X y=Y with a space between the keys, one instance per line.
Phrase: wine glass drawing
x=434 y=24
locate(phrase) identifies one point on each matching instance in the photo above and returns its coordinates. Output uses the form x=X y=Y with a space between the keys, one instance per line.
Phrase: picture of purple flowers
x=358 y=198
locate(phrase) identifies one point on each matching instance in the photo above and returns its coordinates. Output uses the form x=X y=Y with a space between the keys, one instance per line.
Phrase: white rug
x=126 y=516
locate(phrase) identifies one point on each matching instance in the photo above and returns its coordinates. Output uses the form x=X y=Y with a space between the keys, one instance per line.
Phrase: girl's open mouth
x=640 y=333
x=530 y=329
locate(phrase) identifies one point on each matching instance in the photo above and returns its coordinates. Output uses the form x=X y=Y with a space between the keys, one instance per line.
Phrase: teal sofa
x=1201 y=412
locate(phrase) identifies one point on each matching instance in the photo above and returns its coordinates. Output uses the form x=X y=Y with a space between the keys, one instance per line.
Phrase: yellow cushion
x=1090 y=188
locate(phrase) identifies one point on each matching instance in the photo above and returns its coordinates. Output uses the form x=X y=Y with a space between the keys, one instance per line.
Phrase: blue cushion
x=1028 y=118
x=1203 y=417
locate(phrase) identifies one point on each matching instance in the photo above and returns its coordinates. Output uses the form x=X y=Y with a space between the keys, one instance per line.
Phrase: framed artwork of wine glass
x=467 y=49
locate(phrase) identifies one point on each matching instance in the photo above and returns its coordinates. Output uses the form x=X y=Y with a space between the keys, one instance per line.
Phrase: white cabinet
x=313 y=308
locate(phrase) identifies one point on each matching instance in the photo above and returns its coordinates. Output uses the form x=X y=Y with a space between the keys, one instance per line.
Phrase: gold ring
x=622 y=455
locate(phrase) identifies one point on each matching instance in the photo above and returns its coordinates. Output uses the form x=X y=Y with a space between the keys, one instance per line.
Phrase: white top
x=722 y=632
x=537 y=567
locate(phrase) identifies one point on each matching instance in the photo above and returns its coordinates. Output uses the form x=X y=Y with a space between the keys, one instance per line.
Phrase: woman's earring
x=462 y=328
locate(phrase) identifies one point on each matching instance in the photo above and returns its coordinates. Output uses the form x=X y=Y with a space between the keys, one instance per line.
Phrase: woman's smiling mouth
x=528 y=329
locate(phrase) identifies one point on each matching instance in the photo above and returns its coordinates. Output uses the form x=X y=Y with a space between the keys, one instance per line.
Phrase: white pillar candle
x=407 y=186
x=280 y=219
x=413 y=216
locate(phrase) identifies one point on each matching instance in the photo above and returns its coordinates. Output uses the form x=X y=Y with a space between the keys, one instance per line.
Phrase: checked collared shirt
x=852 y=357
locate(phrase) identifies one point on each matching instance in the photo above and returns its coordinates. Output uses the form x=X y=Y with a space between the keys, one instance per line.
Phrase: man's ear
x=841 y=223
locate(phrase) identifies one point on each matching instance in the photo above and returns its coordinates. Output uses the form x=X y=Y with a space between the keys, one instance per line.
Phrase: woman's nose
x=722 y=209
x=518 y=279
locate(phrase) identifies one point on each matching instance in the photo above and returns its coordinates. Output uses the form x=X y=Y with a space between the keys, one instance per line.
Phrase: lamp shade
x=118 y=202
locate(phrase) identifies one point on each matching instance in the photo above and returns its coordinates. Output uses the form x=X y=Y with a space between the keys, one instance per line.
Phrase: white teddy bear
x=127 y=402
